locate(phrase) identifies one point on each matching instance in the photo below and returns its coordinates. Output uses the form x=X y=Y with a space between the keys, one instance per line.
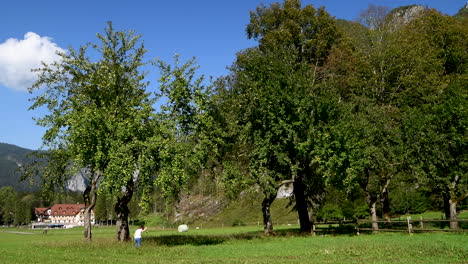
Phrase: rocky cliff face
x=404 y=14
x=463 y=12
x=77 y=183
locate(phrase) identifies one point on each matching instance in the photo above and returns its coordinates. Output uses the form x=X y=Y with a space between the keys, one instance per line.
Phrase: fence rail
x=410 y=225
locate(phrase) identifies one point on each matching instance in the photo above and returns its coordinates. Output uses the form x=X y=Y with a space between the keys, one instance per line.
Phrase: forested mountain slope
x=11 y=158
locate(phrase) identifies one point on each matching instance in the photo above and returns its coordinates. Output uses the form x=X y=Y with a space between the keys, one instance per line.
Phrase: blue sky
x=212 y=31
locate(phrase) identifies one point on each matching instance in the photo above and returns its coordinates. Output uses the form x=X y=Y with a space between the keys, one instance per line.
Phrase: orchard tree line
x=328 y=106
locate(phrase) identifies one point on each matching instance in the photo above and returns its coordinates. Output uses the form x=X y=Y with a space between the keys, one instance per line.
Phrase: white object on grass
x=182 y=228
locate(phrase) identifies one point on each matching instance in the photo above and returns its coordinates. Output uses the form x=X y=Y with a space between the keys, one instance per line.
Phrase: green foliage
x=99 y=112
x=16 y=208
x=186 y=122
x=309 y=31
x=8 y=205
x=435 y=125
x=279 y=108
x=100 y=121
x=104 y=209
x=394 y=71
x=184 y=91
x=440 y=139
x=408 y=201
x=330 y=211
x=321 y=102
x=339 y=205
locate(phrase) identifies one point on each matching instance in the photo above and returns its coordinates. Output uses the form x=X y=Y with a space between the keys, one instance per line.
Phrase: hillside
x=11 y=158
x=197 y=210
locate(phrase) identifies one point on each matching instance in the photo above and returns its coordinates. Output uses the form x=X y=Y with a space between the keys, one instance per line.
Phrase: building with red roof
x=66 y=214
x=42 y=213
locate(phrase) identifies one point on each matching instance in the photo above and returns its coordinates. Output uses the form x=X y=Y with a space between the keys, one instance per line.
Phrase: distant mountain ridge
x=11 y=159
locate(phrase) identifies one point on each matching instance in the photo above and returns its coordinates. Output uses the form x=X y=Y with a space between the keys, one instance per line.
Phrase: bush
x=361 y=212
x=330 y=212
x=408 y=200
x=345 y=229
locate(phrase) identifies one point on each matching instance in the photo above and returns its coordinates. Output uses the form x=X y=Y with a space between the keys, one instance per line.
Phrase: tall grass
x=230 y=245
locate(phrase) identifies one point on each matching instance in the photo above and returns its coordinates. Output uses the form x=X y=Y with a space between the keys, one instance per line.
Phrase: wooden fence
x=409 y=226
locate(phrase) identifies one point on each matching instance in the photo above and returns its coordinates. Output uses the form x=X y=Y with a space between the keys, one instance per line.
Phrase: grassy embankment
x=247 y=211
x=229 y=245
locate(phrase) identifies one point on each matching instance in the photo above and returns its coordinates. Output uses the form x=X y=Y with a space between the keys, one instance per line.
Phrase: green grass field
x=229 y=245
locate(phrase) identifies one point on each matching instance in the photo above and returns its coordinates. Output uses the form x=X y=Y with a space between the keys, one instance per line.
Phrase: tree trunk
x=453 y=214
x=453 y=202
x=385 y=205
x=267 y=221
x=87 y=223
x=122 y=211
x=372 y=202
x=301 y=206
x=446 y=198
x=373 y=212
x=90 y=197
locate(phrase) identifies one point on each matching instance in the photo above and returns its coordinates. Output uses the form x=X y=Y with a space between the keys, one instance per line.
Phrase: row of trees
x=357 y=106
x=15 y=208
x=318 y=103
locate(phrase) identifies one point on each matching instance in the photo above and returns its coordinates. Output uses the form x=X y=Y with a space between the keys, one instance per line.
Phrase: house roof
x=66 y=209
x=41 y=210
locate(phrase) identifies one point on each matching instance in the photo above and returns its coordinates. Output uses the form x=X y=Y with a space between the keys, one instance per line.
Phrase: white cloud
x=18 y=57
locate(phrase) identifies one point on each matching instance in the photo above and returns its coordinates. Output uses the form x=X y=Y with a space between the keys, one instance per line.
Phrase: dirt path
x=16 y=232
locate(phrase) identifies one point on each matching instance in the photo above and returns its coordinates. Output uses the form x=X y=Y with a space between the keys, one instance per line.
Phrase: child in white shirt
x=137 y=235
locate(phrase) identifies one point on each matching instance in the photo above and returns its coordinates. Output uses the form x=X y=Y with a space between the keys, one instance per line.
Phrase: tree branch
x=285 y=182
x=387 y=183
x=462 y=197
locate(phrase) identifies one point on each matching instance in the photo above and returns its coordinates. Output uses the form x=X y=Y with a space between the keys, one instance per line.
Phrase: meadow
x=229 y=245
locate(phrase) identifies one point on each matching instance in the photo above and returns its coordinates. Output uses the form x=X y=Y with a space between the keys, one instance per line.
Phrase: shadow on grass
x=200 y=240
x=203 y=240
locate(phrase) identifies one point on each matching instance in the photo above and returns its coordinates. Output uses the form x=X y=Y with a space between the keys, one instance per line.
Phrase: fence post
x=410 y=225
x=357 y=227
x=313 y=229
x=421 y=223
